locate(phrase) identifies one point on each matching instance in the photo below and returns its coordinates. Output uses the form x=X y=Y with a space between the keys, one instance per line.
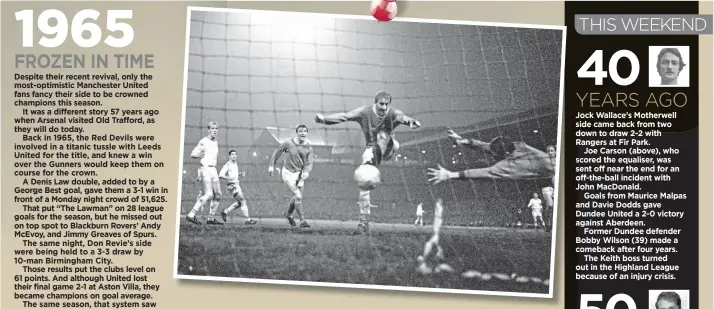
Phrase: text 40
x=84 y=33
x=596 y=60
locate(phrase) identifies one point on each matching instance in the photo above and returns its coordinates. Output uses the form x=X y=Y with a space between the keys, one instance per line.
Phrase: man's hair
x=673 y=51
x=501 y=145
x=382 y=94
x=212 y=123
x=231 y=152
x=669 y=296
x=301 y=126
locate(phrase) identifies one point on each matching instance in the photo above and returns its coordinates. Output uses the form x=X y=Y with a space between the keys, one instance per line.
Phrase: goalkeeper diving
x=517 y=160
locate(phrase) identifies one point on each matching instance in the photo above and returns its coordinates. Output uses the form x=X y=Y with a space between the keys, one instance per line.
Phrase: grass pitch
x=332 y=252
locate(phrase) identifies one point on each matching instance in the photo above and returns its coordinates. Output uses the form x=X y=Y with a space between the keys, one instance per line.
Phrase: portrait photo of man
x=669 y=66
x=669 y=299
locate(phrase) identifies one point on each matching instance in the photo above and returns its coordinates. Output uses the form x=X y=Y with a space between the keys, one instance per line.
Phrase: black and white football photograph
x=345 y=151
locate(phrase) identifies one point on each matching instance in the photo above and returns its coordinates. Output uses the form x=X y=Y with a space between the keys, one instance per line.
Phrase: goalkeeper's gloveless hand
x=438 y=174
x=414 y=124
x=453 y=134
x=457 y=138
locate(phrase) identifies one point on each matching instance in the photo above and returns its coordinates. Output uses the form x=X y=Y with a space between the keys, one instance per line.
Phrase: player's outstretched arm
x=523 y=166
x=440 y=174
x=353 y=115
x=275 y=156
x=198 y=150
x=401 y=118
x=494 y=172
x=471 y=143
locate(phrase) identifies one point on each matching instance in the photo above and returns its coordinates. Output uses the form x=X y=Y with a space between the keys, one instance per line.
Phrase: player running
x=419 y=215
x=297 y=166
x=377 y=122
x=231 y=173
x=517 y=161
x=207 y=152
x=536 y=206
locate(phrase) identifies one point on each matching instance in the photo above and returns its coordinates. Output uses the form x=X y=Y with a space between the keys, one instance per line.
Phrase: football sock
x=233 y=206
x=298 y=209
x=292 y=207
x=364 y=206
x=196 y=207
x=214 y=208
x=244 y=210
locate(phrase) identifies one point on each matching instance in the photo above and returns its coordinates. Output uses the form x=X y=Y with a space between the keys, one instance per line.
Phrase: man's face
x=666 y=304
x=233 y=156
x=551 y=151
x=668 y=67
x=213 y=131
x=535 y=195
x=302 y=134
x=382 y=106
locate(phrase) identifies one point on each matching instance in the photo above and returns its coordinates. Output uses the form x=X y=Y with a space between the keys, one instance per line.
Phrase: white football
x=367 y=177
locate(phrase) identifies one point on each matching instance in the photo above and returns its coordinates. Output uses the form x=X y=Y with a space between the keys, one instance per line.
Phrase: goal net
x=260 y=74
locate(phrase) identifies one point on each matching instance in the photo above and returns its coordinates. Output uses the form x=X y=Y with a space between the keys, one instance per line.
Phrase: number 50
x=599 y=75
x=585 y=300
x=55 y=35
